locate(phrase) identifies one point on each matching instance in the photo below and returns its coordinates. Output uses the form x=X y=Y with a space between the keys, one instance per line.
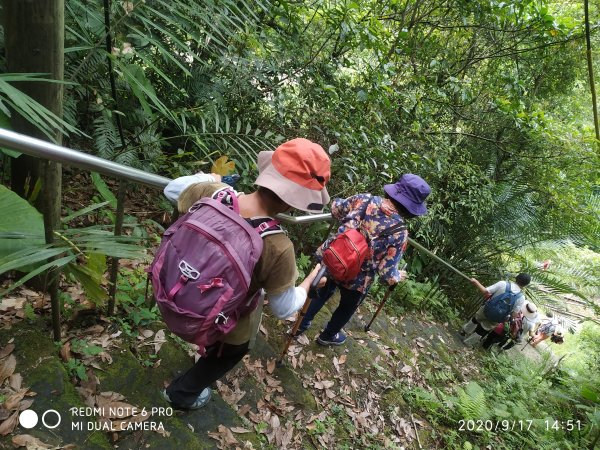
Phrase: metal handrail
x=46 y=150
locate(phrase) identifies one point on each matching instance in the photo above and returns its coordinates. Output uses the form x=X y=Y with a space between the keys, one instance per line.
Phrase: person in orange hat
x=292 y=176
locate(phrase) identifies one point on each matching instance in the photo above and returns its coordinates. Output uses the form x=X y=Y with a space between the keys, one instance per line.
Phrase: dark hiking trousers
x=494 y=338
x=349 y=302
x=184 y=390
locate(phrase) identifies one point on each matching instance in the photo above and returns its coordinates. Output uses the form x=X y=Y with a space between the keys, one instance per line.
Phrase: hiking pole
x=527 y=343
x=311 y=293
x=385 y=297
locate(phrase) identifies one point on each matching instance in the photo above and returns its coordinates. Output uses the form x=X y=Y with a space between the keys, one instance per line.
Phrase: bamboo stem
x=588 y=44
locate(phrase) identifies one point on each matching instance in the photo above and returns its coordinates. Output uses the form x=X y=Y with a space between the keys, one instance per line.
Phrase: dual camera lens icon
x=29 y=419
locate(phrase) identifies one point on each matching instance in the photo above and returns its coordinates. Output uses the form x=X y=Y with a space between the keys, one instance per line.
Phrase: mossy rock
x=43 y=372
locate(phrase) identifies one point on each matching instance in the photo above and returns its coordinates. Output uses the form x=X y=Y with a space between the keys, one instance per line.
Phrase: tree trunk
x=34 y=38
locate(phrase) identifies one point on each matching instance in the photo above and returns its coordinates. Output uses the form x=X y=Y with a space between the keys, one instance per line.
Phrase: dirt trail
x=343 y=397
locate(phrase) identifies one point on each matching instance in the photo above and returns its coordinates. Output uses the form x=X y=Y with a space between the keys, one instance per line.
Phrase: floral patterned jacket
x=371 y=215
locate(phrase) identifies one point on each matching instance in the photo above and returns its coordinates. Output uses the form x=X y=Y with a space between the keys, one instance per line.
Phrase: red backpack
x=346 y=253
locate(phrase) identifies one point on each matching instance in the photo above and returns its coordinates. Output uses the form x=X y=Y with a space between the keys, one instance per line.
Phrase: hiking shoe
x=336 y=339
x=200 y=401
x=301 y=329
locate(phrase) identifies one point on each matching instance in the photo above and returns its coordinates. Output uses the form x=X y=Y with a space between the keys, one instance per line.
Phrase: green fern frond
x=105 y=137
x=472 y=403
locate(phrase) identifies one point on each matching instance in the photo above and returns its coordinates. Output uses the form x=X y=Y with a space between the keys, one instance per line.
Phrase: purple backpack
x=202 y=269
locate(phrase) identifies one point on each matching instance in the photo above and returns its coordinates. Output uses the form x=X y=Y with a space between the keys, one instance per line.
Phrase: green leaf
x=27 y=257
x=24 y=223
x=90 y=284
x=58 y=263
x=104 y=190
x=5 y=123
x=83 y=211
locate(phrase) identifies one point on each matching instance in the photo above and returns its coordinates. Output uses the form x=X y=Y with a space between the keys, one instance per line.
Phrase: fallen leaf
x=6 y=350
x=105 y=357
x=271 y=365
x=15 y=381
x=12 y=303
x=147 y=333
x=303 y=340
x=30 y=442
x=264 y=331
x=65 y=351
x=239 y=430
x=406 y=368
x=275 y=422
x=117 y=334
x=13 y=400
x=7 y=367
x=159 y=340
x=25 y=404
x=243 y=410
x=9 y=424
x=228 y=435
x=107 y=397
x=95 y=329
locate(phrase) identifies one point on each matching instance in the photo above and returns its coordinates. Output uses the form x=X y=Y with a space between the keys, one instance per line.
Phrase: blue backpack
x=498 y=308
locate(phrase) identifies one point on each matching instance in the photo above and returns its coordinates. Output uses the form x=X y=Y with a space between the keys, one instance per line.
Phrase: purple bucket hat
x=410 y=191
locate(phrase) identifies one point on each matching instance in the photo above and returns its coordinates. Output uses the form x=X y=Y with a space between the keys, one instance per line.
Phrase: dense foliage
x=486 y=100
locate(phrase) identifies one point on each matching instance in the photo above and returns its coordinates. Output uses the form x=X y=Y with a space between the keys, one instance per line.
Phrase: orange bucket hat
x=297 y=172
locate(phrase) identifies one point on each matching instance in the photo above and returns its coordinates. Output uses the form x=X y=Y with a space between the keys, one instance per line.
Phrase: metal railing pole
x=46 y=150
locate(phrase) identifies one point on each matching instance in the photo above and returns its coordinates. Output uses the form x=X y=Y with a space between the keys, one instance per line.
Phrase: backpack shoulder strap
x=265 y=226
x=513 y=297
x=358 y=218
x=393 y=229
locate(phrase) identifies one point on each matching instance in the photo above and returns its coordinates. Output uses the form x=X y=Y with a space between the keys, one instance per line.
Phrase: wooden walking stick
x=385 y=297
x=302 y=313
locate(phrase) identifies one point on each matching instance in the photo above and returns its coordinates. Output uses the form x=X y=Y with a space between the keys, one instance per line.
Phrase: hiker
x=498 y=335
x=548 y=329
x=506 y=334
x=292 y=176
x=504 y=299
x=371 y=215
x=531 y=318
x=515 y=329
